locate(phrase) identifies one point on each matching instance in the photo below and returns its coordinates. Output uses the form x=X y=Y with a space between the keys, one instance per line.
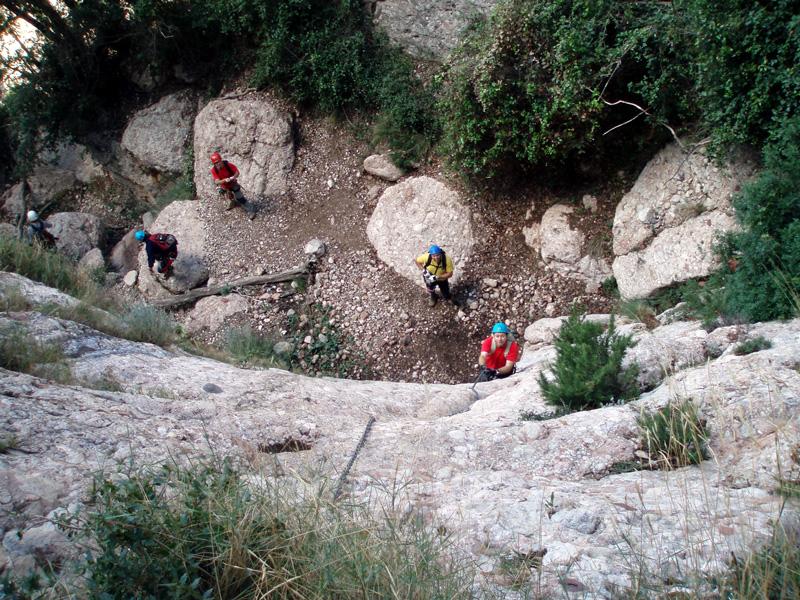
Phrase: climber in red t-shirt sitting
x=225 y=175
x=499 y=354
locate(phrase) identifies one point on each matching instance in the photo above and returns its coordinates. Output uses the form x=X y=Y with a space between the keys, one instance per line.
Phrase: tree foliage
x=588 y=370
x=762 y=276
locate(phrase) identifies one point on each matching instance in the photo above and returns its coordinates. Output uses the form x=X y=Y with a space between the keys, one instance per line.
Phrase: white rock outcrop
x=414 y=214
x=159 y=135
x=501 y=485
x=381 y=166
x=565 y=249
x=252 y=134
x=665 y=227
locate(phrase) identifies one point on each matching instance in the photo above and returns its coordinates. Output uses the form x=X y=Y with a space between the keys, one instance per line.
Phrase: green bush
x=526 y=89
x=771 y=572
x=674 y=436
x=19 y=351
x=588 y=369
x=762 y=263
x=203 y=531
x=755 y=344
x=250 y=348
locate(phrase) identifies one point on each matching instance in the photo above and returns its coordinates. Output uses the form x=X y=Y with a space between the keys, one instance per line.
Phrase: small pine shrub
x=761 y=275
x=588 y=369
x=755 y=344
x=145 y=323
x=674 y=436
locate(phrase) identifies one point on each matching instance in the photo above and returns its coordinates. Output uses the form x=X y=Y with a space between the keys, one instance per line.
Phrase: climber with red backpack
x=161 y=247
x=499 y=354
x=225 y=176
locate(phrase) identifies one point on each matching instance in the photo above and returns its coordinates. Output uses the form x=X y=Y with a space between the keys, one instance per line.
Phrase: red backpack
x=165 y=241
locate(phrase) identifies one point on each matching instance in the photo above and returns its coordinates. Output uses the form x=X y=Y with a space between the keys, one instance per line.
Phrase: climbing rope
x=359 y=446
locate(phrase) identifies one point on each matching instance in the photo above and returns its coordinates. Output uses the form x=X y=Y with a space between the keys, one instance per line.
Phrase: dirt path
x=392 y=332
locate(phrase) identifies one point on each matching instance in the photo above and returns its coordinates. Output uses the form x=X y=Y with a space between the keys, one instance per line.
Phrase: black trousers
x=444 y=286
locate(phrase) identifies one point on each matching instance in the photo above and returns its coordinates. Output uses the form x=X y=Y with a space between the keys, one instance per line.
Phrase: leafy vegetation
x=761 y=277
x=755 y=344
x=674 y=436
x=203 y=531
x=588 y=371
x=251 y=348
x=145 y=323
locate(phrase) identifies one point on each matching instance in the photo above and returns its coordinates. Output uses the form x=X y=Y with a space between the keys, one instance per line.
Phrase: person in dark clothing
x=161 y=248
x=37 y=231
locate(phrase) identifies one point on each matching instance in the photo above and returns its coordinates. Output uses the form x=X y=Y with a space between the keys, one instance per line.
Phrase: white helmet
x=33 y=215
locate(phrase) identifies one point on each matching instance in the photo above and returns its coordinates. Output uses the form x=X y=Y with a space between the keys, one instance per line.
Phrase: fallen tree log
x=227 y=286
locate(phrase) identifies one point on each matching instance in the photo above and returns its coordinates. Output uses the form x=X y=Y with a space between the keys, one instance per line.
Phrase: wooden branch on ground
x=224 y=288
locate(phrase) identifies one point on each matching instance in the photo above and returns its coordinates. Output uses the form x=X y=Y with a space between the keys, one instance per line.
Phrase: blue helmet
x=140 y=235
x=500 y=328
x=434 y=249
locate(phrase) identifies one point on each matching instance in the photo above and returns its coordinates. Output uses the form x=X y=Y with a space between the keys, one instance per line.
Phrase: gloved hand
x=489 y=374
x=221 y=190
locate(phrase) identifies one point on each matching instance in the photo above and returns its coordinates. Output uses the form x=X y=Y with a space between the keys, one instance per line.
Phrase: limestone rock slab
x=159 y=135
x=210 y=313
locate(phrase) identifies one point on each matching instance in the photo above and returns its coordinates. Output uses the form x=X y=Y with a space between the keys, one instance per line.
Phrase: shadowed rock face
x=465 y=461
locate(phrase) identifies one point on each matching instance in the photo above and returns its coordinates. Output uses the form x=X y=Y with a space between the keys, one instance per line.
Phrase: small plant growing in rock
x=674 y=436
x=755 y=344
x=588 y=369
x=146 y=323
x=250 y=348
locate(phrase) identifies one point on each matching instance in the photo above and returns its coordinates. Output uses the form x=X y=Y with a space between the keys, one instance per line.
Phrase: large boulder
x=252 y=134
x=14 y=200
x=414 y=214
x=77 y=233
x=428 y=28
x=565 y=249
x=46 y=183
x=182 y=220
x=74 y=158
x=210 y=313
x=125 y=254
x=159 y=134
x=665 y=226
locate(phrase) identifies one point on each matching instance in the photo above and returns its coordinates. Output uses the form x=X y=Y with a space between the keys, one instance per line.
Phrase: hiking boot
x=251 y=214
x=432 y=300
x=168 y=273
x=453 y=301
x=233 y=204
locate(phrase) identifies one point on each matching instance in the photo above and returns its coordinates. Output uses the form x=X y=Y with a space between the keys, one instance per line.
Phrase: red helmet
x=216 y=157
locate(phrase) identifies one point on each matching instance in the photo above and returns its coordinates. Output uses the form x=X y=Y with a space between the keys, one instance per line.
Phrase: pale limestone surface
x=182 y=220
x=252 y=134
x=464 y=460
x=412 y=215
x=665 y=226
x=159 y=135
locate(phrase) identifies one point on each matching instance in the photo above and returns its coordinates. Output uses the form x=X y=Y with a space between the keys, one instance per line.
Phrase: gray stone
x=428 y=28
x=131 y=277
x=212 y=388
x=77 y=233
x=13 y=201
x=125 y=254
x=412 y=215
x=159 y=135
x=92 y=261
x=74 y=158
x=251 y=133
x=381 y=165
x=210 y=313
x=190 y=269
x=315 y=248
